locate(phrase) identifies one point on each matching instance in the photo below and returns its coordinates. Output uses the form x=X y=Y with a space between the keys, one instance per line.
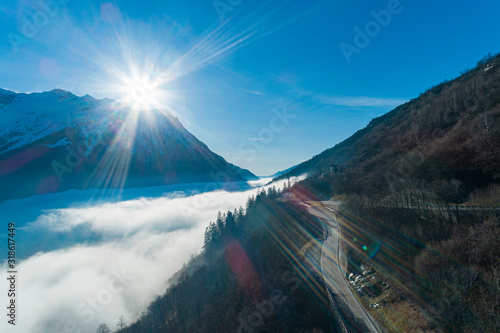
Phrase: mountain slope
x=55 y=141
x=451 y=132
x=279 y=173
x=420 y=192
x=255 y=274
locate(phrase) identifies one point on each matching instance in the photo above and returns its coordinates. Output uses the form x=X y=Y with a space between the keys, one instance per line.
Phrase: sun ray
x=143 y=74
x=111 y=172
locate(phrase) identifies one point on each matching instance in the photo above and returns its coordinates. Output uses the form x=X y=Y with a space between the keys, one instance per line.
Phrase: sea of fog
x=88 y=257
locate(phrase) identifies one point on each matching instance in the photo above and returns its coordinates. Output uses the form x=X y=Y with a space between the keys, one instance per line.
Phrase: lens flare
x=143 y=93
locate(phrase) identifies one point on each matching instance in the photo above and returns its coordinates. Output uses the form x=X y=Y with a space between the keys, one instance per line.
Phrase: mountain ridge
x=53 y=141
x=447 y=133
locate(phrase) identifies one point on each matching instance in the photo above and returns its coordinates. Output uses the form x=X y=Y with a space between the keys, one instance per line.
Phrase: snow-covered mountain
x=56 y=141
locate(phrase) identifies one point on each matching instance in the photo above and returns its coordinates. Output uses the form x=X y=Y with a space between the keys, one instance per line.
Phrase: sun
x=143 y=93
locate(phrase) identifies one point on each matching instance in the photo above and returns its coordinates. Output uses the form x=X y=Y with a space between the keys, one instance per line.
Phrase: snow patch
x=62 y=142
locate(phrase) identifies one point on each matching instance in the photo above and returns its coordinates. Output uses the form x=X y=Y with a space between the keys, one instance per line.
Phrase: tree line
x=249 y=277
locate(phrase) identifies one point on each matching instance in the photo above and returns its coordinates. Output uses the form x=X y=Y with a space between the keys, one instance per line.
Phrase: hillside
x=450 y=132
x=426 y=263
x=56 y=141
x=253 y=276
x=421 y=207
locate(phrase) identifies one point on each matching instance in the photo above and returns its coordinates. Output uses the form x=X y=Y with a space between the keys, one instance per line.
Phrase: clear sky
x=227 y=68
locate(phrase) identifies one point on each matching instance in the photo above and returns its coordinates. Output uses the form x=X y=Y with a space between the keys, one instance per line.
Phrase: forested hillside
x=421 y=194
x=249 y=278
x=447 y=139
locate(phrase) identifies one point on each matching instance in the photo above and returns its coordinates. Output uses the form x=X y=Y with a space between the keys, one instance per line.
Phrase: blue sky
x=228 y=67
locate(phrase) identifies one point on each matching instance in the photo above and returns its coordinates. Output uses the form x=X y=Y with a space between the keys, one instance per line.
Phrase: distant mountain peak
x=55 y=140
x=6 y=92
x=59 y=91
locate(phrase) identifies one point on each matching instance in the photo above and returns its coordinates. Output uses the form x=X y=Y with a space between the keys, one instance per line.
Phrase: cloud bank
x=141 y=244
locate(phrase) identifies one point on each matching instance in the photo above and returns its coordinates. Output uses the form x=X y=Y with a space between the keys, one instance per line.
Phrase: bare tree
x=103 y=328
x=121 y=323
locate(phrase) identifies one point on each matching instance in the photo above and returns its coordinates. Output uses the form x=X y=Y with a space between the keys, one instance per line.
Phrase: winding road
x=333 y=265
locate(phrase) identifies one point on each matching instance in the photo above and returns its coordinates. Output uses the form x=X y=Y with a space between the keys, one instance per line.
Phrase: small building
x=335 y=168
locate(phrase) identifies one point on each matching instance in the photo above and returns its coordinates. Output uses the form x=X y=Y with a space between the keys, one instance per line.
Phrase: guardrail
x=341 y=323
x=339 y=320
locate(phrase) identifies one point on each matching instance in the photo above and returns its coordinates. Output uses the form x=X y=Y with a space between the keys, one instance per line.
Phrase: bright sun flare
x=143 y=93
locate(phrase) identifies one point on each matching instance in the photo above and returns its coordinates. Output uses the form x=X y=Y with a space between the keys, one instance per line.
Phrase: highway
x=333 y=266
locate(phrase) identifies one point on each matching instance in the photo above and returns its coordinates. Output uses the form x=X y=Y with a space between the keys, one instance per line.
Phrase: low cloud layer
x=142 y=243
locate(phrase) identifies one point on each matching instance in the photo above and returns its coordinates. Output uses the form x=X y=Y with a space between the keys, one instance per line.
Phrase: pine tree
x=230 y=224
x=207 y=239
x=121 y=323
x=210 y=235
x=220 y=225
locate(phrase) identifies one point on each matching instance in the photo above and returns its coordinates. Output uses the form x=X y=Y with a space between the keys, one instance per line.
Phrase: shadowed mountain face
x=451 y=133
x=56 y=141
